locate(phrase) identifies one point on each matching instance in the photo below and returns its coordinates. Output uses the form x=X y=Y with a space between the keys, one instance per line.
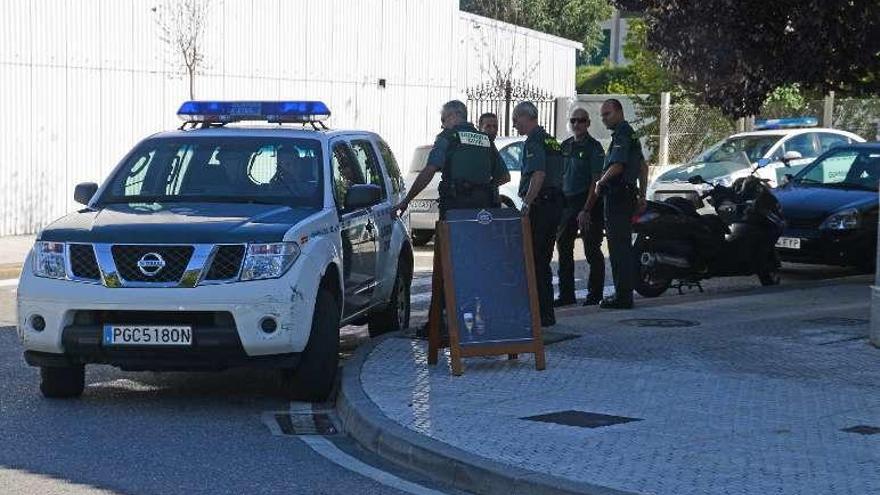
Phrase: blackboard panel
x=489 y=273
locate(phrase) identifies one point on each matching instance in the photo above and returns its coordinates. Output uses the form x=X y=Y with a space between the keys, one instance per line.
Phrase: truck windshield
x=280 y=171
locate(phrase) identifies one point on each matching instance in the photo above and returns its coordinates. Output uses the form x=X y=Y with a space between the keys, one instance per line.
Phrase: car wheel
x=62 y=382
x=313 y=379
x=422 y=237
x=395 y=316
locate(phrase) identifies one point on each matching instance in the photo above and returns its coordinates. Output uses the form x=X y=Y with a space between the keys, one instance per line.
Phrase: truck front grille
x=83 y=263
x=175 y=259
x=226 y=263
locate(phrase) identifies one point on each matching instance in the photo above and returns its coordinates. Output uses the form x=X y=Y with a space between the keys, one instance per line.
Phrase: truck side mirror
x=84 y=192
x=697 y=179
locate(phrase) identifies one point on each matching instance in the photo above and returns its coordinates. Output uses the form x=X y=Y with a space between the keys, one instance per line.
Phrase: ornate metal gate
x=500 y=96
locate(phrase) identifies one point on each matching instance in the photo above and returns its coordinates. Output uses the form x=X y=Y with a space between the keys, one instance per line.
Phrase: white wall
x=81 y=81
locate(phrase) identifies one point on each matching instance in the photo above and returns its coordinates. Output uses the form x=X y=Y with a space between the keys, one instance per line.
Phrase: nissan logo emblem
x=151 y=264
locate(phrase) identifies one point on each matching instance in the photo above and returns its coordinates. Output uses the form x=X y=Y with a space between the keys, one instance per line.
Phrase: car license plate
x=788 y=243
x=162 y=335
x=422 y=205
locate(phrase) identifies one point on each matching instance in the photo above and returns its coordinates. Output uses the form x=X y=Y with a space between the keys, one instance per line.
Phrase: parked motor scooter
x=677 y=247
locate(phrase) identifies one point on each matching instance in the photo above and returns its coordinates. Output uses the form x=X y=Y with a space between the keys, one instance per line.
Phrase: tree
x=182 y=28
x=573 y=19
x=734 y=53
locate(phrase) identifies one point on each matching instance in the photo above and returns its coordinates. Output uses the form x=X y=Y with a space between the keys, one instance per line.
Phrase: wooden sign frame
x=443 y=276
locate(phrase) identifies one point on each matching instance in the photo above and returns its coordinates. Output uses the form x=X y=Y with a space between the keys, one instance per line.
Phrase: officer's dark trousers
x=544 y=217
x=592 y=239
x=619 y=206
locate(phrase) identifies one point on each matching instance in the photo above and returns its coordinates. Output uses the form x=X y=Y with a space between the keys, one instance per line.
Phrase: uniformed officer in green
x=466 y=158
x=623 y=166
x=584 y=160
x=540 y=188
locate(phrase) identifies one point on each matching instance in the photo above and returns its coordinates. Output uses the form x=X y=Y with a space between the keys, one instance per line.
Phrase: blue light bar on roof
x=223 y=112
x=790 y=123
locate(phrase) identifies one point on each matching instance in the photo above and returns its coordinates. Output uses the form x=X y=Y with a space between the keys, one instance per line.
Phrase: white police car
x=789 y=144
x=222 y=245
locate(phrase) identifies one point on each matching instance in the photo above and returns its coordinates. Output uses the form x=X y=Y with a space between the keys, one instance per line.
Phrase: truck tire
x=313 y=379
x=395 y=316
x=62 y=382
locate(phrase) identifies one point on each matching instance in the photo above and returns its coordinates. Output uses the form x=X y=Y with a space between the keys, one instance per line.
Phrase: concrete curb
x=365 y=423
x=10 y=270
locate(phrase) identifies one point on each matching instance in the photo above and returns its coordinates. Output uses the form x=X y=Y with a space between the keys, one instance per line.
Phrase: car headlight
x=264 y=261
x=50 y=259
x=843 y=220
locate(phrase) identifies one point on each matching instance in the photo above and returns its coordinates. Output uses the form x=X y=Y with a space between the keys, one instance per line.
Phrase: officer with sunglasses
x=584 y=159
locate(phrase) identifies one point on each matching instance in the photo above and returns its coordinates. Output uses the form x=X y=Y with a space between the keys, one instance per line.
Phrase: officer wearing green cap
x=540 y=188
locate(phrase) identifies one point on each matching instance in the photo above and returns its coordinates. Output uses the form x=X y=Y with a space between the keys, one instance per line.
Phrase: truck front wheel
x=62 y=382
x=313 y=379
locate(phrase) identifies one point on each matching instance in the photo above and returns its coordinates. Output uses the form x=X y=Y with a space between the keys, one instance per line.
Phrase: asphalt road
x=149 y=433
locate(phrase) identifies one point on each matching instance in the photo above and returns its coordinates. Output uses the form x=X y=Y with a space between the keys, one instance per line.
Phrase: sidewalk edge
x=10 y=270
x=363 y=420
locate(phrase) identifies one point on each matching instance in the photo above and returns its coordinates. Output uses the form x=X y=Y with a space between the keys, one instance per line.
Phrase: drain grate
x=581 y=419
x=862 y=430
x=305 y=424
x=838 y=322
x=659 y=323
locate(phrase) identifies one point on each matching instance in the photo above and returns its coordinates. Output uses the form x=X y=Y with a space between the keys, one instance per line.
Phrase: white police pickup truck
x=221 y=245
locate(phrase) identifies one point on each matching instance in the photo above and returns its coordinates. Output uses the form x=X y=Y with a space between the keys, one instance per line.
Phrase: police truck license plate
x=788 y=243
x=170 y=335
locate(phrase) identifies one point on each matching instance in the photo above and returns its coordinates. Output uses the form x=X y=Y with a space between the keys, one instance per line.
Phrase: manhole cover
x=581 y=419
x=660 y=323
x=862 y=430
x=838 y=322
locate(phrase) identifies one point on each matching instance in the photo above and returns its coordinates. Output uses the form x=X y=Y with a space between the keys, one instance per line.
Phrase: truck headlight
x=264 y=261
x=50 y=260
x=843 y=220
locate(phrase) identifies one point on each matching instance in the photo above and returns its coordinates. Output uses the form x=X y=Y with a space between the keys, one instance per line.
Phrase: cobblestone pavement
x=751 y=400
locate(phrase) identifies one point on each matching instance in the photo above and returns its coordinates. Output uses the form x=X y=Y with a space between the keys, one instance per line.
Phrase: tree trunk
x=192 y=83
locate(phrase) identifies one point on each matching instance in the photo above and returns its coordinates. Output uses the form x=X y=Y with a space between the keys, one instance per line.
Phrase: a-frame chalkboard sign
x=483 y=264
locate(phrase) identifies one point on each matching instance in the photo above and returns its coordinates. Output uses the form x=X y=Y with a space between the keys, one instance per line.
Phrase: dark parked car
x=831 y=209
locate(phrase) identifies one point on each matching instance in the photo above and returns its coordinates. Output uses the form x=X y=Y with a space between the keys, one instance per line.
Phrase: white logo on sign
x=484 y=217
x=474 y=139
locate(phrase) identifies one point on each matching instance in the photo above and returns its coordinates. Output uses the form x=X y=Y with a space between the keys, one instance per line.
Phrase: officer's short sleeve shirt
x=437 y=156
x=626 y=149
x=534 y=159
x=499 y=167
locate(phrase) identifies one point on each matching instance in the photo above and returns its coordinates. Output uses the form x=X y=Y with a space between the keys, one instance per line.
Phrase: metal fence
x=500 y=96
x=687 y=128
